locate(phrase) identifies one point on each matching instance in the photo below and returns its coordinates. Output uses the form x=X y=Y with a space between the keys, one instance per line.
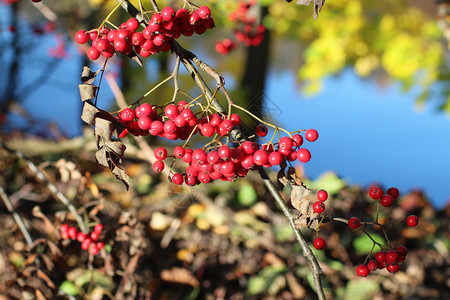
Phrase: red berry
x=261 y=130
x=161 y=153
x=392 y=268
x=98 y=228
x=94 y=235
x=402 y=250
x=298 y=140
x=177 y=178
x=319 y=207
x=167 y=13
x=204 y=12
x=375 y=192
x=207 y=130
x=100 y=245
x=412 y=221
x=94 y=249
x=303 y=155
x=144 y=123
x=322 y=195
x=285 y=143
x=127 y=114
x=354 y=223
x=171 y=111
x=72 y=231
x=362 y=271
x=132 y=24
x=81 y=37
x=64 y=227
x=158 y=166
x=235 y=119
x=380 y=256
x=65 y=235
x=387 y=200
x=81 y=237
x=391 y=256
x=311 y=135
x=178 y=152
x=260 y=157
x=372 y=265
x=93 y=53
x=275 y=158
x=393 y=192
x=319 y=243
x=86 y=243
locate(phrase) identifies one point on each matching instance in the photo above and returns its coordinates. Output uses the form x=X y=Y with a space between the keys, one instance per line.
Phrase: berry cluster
x=225 y=46
x=322 y=195
x=386 y=199
x=215 y=160
x=89 y=241
x=383 y=259
x=163 y=27
x=247 y=32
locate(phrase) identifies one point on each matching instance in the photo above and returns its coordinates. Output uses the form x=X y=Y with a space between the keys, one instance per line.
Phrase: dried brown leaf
x=103 y=128
x=87 y=91
x=101 y=157
x=30 y=260
x=49 y=227
x=47 y=279
x=121 y=175
x=180 y=276
x=117 y=147
x=89 y=113
x=87 y=76
x=39 y=295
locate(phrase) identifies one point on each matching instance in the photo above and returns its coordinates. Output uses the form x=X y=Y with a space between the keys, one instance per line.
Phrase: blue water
x=368 y=134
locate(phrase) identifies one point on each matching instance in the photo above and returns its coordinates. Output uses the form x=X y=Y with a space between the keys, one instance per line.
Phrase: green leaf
x=364 y=244
x=69 y=288
x=328 y=181
x=247 y=195
x=268 y=279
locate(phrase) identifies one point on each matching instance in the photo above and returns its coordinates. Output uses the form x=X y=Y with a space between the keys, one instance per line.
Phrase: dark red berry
x=362 y=271
x=391 y=256
x=393 y=192
x=161 y=153
x=393 y=268
x=372 y=265
x=319 y=243
x=375 y=192
x=354 y=223
x=81 y=37
x=412 y=221
x=387 y=200
x=319 y=207
x=402 y=250
x=177 y=178
x=380 y=256
x=261 y=130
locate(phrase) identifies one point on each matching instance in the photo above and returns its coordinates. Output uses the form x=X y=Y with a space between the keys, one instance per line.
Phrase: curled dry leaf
x=180 y=276
x=87 y=91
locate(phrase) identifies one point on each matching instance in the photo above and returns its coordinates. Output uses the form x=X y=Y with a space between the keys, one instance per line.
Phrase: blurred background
x=372 y=77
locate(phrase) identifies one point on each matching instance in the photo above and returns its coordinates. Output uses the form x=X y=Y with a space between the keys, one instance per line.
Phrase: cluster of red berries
x=88 y=241
x=384 y=259
x=247 y=30
x=386 y=199
x=319 y=205
x=225 y=46
x=163 y=27
x=217 y=161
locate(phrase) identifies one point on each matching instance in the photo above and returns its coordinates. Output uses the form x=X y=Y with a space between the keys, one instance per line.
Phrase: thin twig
x=16 y=217
x=53 y=189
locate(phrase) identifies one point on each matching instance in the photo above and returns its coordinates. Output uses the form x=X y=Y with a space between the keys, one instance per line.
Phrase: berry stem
x=370 y=237
x=111 y=13
x=175 y=77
